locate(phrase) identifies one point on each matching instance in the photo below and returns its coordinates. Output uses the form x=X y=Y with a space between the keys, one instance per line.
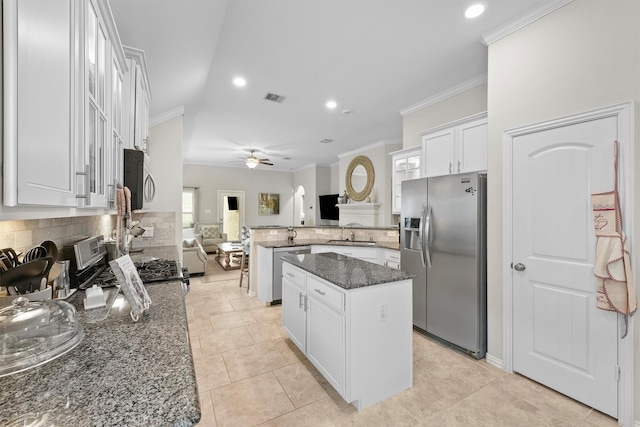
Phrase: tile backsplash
x=22 y=235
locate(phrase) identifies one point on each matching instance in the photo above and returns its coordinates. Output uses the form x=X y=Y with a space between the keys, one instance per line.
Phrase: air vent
x=326 y=141
x=275 y=98
x=286 y=158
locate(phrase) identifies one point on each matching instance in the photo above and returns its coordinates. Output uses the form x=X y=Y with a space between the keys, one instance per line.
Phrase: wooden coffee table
x=227 y=249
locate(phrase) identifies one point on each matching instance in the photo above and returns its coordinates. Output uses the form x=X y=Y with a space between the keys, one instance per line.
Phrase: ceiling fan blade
x=263 y=160
x=266 y=163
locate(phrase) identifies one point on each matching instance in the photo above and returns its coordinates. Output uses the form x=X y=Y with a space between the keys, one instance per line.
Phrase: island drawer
x=294 y=274
x=325 y=292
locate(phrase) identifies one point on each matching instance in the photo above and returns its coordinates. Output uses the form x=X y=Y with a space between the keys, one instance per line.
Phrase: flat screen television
x=328 y=208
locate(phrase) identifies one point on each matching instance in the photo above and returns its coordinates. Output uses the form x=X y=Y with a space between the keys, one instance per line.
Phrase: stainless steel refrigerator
x=443 y=242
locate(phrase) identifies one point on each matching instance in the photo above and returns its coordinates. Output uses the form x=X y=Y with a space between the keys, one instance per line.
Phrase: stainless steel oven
x=89 y=266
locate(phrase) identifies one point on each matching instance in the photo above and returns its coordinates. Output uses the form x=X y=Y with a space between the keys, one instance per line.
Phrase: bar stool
x=244 y=267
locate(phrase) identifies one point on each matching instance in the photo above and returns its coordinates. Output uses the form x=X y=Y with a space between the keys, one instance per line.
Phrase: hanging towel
x=613 y=262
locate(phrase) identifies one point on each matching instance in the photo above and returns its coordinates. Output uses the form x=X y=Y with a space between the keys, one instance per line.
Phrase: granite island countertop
x=325 y=242
x=346 y=272
x=122 y=373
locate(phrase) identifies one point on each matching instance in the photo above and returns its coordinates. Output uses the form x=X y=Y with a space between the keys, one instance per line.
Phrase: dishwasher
x=278 y=253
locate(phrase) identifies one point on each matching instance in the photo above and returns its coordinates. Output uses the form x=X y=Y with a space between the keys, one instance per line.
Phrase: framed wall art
x=268 y=204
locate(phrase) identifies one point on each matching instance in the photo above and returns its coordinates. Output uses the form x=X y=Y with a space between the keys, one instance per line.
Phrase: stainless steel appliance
x=278 y=253
x=89 y=266
x=443 y=242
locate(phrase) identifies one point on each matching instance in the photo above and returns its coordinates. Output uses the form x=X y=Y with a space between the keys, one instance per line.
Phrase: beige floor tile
x=207 y=416
x=599 y=419
x=289 y=351
x=231 y=320
x=225 y=340
x=199 y=325
x=308 y=416
x=211 y=307
x=267 y=330
x=244 y=303
x=250 y=402
x=271 y=312
x=300 y=384
x=196 y=349
x=386 y=413
x=253 y=360
x=211 y=372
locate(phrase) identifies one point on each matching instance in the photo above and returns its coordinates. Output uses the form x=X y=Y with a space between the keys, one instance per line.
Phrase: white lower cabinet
x=360 y=339
x=327 y=341
x=294 y=313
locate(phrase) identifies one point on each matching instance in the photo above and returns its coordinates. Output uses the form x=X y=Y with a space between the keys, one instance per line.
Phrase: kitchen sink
x=352 y=242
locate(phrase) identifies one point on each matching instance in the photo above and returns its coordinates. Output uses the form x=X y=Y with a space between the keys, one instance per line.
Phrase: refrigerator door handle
x=427 y=237
x=423 y=212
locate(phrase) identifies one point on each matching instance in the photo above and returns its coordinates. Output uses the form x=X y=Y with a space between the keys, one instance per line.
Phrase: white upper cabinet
x=104 y=64
x=40 y=115
x=137 y=99
x=458 y=148
x=406 y=165
x=64 y=66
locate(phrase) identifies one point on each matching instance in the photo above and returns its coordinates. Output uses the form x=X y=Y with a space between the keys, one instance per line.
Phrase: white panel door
x=560 y=338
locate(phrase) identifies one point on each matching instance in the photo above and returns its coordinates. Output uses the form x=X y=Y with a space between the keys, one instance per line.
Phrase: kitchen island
x=353 y=320
x=121 y=374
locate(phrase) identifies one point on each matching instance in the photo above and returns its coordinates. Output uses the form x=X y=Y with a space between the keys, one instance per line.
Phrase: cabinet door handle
x=87 y=190
x=290 y=275
x=320 y=292
x=450 y=167
x=300 y=299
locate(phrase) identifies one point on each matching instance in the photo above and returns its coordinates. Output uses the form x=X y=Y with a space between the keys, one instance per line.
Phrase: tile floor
x=249 y=373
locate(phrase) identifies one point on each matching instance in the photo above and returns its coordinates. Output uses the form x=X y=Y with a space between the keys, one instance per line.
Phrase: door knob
x=519 y=267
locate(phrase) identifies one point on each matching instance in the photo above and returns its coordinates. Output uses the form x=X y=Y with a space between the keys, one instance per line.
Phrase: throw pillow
x=189 y=243
x=210 y=232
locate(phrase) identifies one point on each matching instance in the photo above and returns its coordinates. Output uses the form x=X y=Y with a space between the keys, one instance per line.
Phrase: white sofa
x=209 y=236
x=194 y=258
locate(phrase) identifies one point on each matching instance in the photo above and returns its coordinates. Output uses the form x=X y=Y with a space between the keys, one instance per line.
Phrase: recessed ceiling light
x=239 y=81
x=474 y=11
x=331 y=104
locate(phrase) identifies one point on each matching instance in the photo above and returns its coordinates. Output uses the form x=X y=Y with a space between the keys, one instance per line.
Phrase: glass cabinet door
x=96 y=131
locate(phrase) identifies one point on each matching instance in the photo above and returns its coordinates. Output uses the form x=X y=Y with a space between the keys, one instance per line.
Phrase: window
x=189 y=212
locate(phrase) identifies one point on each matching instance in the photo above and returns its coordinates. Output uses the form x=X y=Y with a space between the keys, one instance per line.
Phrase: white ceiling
x=374 y=57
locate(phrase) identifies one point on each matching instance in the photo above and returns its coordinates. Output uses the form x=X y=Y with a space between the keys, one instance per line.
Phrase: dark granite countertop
x=346 y=272
x=309 y=242
x=121 y=374
x=168 y=253
x=338 y=227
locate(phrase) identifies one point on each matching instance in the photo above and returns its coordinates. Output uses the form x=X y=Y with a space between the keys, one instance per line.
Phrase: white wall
x=462 y=105
x=378 y=153
x=306 y=177
x=583 y=56
x=165 y=164
x=210 y=179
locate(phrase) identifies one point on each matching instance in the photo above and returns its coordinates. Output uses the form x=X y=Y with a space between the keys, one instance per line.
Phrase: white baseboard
x=497 y=362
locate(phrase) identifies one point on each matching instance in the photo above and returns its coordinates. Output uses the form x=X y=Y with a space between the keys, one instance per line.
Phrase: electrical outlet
x=207 y=211
x=382 y=313
x=318 y=230
x=148 y=232
x=391 y=233
x=273 y=232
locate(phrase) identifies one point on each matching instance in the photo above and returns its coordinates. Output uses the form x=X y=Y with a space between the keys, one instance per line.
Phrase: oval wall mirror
x=359 y=178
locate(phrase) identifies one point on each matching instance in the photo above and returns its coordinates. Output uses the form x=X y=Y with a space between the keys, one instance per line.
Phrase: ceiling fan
x=252 y=161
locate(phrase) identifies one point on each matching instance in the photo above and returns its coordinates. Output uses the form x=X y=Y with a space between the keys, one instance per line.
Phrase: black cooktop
x=156 y=270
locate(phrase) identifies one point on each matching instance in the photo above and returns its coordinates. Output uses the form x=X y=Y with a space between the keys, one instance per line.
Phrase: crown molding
x=359 y=150
x=139 y=56
x=455 y=90
x=166 y=116
x=522 y=20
